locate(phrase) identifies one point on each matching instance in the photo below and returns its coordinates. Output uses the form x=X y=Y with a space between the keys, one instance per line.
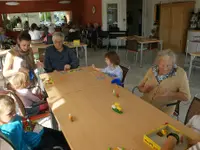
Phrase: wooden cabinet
x=174 y=22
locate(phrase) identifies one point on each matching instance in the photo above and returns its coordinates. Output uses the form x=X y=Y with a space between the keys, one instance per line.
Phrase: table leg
x=190 y=67
x=1 y=63
x=187 y=51
x=141 y=55
x=86 y=61
x=77 y=51
x=161 y=45
x=117 y=46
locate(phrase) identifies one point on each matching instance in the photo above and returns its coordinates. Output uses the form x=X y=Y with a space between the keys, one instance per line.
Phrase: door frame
x=121 y=4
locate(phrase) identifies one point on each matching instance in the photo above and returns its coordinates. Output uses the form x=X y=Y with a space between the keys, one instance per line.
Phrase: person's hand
x=163 y=94
x=192 y=142
x=39 y=64
x=93 y=66
x=24 y=70
x=148 y=88
x=145 y=88
x=67 y=67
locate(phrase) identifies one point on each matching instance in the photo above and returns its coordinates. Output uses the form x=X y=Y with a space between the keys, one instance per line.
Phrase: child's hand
x=93 y=66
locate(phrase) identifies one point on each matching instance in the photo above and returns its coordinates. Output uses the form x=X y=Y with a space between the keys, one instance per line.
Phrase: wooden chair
x=177 y=109
x=125 y=71
x=177 y=104
x=194 y=109
x=74 y=36
x=5 y=143
x=133 y=47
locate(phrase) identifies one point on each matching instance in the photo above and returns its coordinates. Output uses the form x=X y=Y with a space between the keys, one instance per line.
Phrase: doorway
x=114 y=14
x=134 y=17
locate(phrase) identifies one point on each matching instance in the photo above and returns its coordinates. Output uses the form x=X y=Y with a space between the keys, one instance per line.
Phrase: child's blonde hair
x=20 y=80
x=7 y=104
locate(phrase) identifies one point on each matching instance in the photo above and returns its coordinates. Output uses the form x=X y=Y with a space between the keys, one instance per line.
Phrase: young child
x=113 y=69
x=32 y=103
x=37 y=139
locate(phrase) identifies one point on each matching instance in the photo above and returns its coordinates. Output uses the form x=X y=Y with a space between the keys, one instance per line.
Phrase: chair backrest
x=49 y=39
x=5 y=143
x=41 y=52
x=74 y=36
x=194 y=109
x=132 y=45
x=125 y=71
x=103 y=34
x=19 y=105
x=115 y=34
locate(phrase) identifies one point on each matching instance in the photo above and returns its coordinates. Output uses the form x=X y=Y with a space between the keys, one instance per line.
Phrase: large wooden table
x=96 y=125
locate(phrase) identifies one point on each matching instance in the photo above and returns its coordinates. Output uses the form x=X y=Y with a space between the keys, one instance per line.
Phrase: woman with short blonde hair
x=165 y=83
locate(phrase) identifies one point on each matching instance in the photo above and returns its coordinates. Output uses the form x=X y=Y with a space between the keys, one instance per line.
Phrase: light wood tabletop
x=87 y=96
x=39 y=45
x=140 y=39
x=197 y=54
x=68 y=44
x=71 y=44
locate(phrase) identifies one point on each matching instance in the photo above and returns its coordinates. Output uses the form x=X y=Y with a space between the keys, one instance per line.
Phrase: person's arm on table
x=47 y=62
x=74 y=60
x=94 y=67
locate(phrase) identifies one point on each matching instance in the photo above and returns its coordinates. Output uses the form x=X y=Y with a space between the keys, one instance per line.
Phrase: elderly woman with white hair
x=58 y=57
x=165 y=83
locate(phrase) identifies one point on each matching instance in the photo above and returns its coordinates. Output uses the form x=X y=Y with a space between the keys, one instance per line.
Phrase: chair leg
x=126 y=55
x=178 y=118
x=136 y=58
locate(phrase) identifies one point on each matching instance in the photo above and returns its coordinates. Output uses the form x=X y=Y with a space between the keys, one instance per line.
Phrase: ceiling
x=27 y=0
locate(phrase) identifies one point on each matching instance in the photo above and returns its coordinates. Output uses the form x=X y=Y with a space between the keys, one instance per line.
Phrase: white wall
x=148 y=13
x=197 y=6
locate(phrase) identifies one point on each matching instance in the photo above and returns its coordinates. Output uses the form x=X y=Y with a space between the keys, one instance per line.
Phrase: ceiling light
x=65 y=2
x=12 y=3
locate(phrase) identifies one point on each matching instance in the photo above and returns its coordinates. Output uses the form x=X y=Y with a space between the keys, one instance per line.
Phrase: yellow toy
x=117 y=108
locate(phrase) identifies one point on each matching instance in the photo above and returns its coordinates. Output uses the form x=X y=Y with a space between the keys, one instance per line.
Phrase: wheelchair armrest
x=172 y=104
x=133 y=90
x=39 y=116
